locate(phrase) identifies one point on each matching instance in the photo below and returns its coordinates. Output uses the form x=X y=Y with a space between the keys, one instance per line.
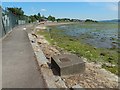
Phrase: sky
x=77 y=10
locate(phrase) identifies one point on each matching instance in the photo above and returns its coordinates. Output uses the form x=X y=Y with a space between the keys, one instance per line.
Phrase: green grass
x=113 y=69
x=75 y=46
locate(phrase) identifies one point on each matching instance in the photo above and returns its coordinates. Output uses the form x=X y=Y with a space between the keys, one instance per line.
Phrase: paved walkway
x=19 y=68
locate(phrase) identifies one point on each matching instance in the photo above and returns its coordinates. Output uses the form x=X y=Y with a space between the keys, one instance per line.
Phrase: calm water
x=100 y=35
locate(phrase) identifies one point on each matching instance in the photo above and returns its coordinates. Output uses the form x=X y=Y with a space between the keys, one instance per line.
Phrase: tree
x=32 y=18
x=89 y=20
x=51 y=18
x=36 y=17
x=16 y=11
x=39 y=15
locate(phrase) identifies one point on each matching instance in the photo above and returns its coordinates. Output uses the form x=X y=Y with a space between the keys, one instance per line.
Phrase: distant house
x=43 y=20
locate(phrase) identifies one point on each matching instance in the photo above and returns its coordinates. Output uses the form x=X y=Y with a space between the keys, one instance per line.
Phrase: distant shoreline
x=45 y=24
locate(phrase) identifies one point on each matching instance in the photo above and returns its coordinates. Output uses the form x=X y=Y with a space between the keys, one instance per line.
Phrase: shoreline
x=46 y=24
x=86 y=80
x=89 y=52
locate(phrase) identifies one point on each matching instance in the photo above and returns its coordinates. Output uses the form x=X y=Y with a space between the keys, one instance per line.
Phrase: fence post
x=1 y=22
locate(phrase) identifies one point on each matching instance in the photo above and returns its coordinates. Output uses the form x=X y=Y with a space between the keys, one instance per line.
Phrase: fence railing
x=0 y=22
x=9 y=20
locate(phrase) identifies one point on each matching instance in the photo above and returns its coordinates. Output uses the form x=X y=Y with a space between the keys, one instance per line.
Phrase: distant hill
x=112 y=21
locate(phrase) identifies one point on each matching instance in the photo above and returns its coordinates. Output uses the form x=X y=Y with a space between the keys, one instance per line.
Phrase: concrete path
x=19 y=67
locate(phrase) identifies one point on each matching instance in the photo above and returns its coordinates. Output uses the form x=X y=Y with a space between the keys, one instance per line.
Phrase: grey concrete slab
x=19 y=68
x=67 y=64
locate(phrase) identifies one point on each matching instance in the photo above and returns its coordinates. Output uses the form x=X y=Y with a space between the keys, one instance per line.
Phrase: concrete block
x=77 y=87
x=67 y=64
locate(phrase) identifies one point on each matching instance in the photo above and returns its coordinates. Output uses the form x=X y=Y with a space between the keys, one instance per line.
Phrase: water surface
x=100 y=35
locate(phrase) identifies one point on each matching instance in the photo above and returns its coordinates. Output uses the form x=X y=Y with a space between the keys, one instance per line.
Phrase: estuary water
x=99 y=35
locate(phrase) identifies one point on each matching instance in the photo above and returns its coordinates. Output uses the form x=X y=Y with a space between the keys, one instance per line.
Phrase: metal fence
x=0 y=22
x=9 y=20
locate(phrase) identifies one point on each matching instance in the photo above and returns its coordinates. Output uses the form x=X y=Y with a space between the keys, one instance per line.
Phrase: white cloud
x=43 y=10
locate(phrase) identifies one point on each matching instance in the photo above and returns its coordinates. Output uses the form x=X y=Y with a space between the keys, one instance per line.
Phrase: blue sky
x=80 y=10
